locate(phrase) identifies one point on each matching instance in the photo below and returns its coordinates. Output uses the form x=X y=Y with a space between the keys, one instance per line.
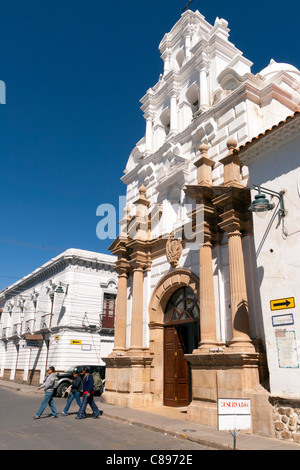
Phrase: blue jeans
x=48 y=400
x=88 y=401
x=73 y=395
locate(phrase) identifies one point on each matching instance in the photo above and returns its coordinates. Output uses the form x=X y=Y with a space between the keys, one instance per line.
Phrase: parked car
x=64 y=379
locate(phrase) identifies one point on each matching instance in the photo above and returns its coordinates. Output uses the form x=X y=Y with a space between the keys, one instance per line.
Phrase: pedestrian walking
x=48 y=385
x=88 y=395
x=76 y=386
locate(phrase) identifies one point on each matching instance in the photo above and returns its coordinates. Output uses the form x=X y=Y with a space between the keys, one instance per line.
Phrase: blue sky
x=74 y=73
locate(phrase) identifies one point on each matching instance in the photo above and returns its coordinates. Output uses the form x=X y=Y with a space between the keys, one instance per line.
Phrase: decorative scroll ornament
x=173 y=250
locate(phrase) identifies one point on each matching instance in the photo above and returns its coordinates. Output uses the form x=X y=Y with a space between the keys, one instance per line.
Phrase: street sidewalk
x=173 y=422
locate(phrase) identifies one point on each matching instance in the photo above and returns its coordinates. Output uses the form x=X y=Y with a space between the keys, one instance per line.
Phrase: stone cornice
x=235 y=360
x=124 y=360
x=58 y=264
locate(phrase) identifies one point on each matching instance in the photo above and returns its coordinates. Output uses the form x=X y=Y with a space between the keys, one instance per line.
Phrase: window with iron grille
x=108 y=316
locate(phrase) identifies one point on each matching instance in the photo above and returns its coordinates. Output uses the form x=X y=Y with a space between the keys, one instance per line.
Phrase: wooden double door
x=181 y=336
x=179 y=340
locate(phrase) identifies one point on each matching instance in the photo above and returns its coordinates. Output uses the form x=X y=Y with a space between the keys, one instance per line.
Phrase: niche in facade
x=165 y=120
x=180 y=58
x=193 y=97
x=229 y=80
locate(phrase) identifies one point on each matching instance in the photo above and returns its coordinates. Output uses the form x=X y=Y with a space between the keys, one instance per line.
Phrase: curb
x=152 y=427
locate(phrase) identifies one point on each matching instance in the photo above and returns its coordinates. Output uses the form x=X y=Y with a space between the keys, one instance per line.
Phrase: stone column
x=207 y=299
x=121 y=312
x=238 y=294
x=166 y=58
x=173 y=111
x=187 y=42
x=203 y=194
x=136 y=339
x=203 y=89
x=140 y=226
x=149 y=131
x=139 y=260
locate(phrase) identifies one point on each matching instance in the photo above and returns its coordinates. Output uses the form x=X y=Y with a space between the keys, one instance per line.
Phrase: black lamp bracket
x=270 y=192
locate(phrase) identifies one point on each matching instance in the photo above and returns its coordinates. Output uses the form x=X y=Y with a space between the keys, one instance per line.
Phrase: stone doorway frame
x=167 y=285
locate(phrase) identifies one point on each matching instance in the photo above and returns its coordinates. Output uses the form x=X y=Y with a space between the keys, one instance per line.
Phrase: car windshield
x=72 y=369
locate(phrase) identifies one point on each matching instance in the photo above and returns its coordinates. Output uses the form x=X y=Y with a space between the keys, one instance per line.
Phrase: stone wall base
x=19 y=375
x=219 y=375
x=228 y=375
x=128 y=400
x=286 y=418
x=127 y=381
x=33 y=376
x=6 y=374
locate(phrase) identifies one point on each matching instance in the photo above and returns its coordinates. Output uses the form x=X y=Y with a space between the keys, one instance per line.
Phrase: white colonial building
x=62 y=314
x=189 y=325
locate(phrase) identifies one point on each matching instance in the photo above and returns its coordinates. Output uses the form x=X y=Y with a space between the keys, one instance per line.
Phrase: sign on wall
x=76 y=341
x=33 y=344
x=281 y=304
x=287 y=349
x=281 y=320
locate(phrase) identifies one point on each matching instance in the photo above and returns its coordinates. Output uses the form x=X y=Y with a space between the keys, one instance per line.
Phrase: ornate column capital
x=234 y=203
x=138 y=258
x=231 y=222
x=122 y=268
x=204 y=194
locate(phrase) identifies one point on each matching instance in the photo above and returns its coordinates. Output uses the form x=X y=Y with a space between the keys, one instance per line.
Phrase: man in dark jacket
x=88 y=395
x=76 y=386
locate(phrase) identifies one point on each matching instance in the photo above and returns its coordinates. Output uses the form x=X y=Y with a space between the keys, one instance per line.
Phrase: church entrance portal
x=181 y=336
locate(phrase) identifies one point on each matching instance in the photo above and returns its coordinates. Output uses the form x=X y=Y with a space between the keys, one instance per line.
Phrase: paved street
x=18 y=430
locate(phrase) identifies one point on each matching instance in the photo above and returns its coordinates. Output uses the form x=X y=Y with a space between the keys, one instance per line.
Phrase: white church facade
x=189 y=324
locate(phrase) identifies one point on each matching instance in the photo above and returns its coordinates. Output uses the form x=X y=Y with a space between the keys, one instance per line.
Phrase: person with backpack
x=76 y=387
x=98 y=382
x=88 y=395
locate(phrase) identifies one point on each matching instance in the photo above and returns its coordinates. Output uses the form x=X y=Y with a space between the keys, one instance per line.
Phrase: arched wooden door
x=181 y=336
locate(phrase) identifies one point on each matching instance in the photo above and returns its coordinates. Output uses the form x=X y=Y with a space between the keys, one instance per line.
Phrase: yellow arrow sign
x=280 y=304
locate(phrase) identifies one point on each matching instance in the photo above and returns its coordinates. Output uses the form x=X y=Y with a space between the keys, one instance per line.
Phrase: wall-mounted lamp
x=262 y=204
x=59 y=289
